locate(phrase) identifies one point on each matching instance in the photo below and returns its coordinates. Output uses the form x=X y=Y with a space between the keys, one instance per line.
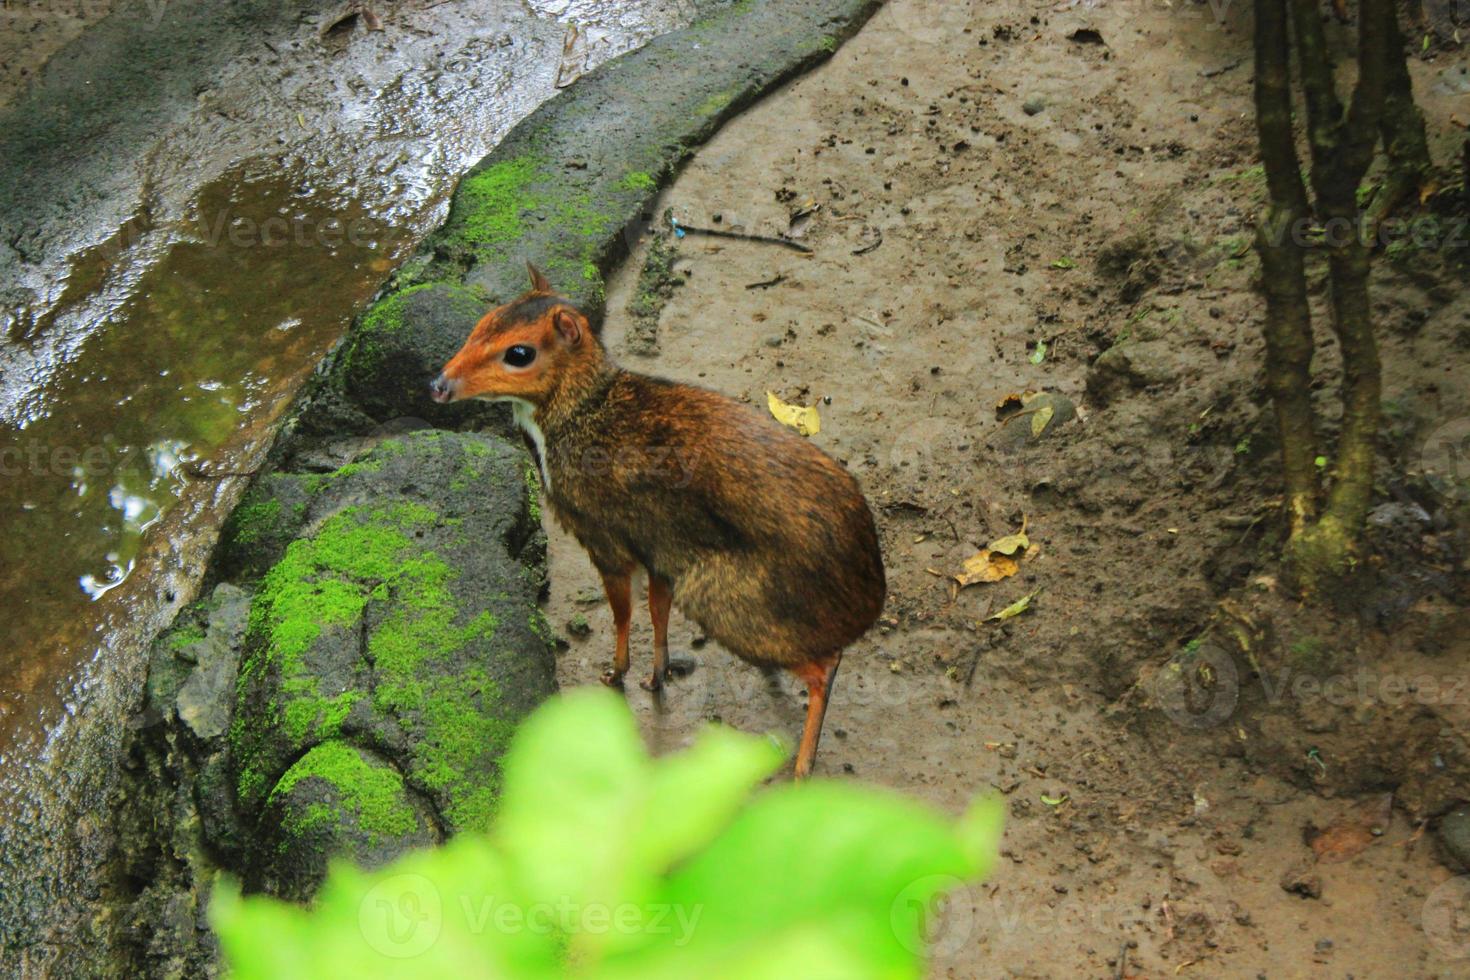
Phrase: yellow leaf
x=1012 y=543
x=801 y=418
x=1014 y=609
x=1040 y=420
x=985 y=566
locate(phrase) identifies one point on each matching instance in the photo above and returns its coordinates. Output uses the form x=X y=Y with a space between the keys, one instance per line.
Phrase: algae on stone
x=390 y=625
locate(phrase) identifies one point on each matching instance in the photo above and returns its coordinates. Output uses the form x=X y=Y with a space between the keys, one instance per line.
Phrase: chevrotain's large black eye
x=520 y=355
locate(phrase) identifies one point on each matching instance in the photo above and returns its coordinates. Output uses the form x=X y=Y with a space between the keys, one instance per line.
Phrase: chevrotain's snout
x=441 y=389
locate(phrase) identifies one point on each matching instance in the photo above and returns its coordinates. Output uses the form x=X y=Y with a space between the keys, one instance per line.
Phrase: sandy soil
x=1166 y=858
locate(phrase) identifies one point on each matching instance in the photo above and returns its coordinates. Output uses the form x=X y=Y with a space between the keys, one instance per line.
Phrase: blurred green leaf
x=604 y=863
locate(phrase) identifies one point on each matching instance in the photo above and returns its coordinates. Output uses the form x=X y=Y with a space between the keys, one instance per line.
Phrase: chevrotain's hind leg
x=660 y=598
x=619 y=588
x=818 y=676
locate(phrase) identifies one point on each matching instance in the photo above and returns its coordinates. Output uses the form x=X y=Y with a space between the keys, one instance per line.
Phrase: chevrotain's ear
x=538 y=281
x=570 y=325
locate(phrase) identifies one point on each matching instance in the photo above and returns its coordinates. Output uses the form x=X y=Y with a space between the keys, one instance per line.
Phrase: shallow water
x=139 y=383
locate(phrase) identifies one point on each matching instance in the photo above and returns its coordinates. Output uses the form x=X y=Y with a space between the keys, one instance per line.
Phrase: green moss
x=533 y=491
x=372 y=795
x=639 y=180
x=1248 y=175
x=254 y=519
x=458 y=736
x=715 y=103
x=491 y=205
x=489 y=220
x=325 y=582
x=384 y=317
x=472 y=469
x=350 y=469
x=320 y=583
x=185 y=636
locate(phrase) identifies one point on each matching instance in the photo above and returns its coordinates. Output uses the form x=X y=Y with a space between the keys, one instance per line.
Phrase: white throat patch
x=524 y=414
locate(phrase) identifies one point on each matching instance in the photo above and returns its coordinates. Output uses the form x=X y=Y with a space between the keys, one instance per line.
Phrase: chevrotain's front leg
x=619 y=588
x=660 y=598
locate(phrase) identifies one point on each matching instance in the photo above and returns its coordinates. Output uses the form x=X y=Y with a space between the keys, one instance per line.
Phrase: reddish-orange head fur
x=526 y=350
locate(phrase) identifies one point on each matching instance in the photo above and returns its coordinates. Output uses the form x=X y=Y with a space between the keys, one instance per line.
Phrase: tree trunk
x=1342 y=145
x=1403 y=128
x=1288 y=329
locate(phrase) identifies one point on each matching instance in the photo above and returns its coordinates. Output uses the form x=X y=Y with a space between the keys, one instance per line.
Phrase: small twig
x=868 y=248
x=1212 y=72
x=974 y=663
x=683 y=229
x=767 y=283
x=1122 y=969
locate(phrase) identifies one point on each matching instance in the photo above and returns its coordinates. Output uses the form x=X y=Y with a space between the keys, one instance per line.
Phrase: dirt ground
x=1007 y=162
x=31 y=31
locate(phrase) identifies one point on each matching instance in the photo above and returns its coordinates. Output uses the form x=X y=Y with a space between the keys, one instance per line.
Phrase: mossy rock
x=258 y=530
x=338 y=800
x=406 y=618
x=401 y=343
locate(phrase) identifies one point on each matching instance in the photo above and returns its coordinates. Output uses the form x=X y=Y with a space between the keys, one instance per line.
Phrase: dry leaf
x=1340 y=842
x=1012 y=543
x=801 y=418
x=1012 y=403
x=1350 y=834
x=1041 y=419
x=986 y=566
x=1014 y=609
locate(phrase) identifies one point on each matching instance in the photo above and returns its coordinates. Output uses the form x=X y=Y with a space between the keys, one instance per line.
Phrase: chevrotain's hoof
x=652 y=683
x=612 y=678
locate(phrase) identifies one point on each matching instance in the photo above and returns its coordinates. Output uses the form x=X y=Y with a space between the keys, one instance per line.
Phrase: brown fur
x=768 y=543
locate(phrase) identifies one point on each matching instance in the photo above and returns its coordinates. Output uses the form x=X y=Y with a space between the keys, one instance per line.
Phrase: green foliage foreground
x=605 y=863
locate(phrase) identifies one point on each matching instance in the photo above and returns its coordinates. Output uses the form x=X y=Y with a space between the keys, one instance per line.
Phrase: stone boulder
x=345 y=693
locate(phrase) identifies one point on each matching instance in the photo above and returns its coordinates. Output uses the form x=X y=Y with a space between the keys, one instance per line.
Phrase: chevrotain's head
x=523 y=350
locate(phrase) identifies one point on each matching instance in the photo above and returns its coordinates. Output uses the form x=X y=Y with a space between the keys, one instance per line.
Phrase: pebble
x=1033 y=105
x=1454 y=834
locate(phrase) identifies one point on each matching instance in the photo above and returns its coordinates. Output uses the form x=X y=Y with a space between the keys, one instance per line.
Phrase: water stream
x=151 y=358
